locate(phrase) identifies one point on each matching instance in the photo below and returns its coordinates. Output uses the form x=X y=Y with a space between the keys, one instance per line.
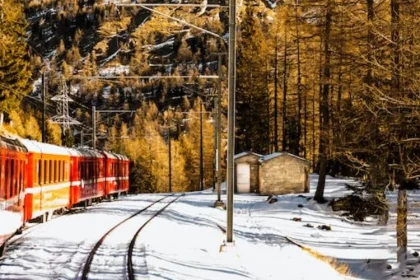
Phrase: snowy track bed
x=114 y=250
x=184 y=241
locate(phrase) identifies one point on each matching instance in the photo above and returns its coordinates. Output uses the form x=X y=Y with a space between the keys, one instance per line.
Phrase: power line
x=179 y=5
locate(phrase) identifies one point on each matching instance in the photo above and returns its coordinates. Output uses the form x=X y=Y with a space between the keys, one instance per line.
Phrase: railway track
x=130 y=268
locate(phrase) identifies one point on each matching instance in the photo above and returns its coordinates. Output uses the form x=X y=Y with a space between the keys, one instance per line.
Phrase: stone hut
x=246 y=172
x=283 y=173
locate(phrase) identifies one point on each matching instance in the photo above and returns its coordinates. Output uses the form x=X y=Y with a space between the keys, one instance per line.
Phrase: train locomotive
x=38 y=179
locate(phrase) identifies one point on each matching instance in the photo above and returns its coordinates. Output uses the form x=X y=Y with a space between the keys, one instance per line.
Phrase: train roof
x=74 y=152
x=44 y=148
x=114 y=155
x=87 y=152
x=109 y=154
x=11 y=143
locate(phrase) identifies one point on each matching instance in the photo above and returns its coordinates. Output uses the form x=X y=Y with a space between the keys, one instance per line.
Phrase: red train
x=38 y=179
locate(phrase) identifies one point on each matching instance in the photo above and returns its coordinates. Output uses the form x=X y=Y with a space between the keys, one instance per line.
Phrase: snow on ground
x=184 y=242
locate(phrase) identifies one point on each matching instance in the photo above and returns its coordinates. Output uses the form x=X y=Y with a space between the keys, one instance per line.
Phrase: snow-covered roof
x=245 y=154
x=277 y=154
x=73 y=152
x=11 y=143
x=109 y=154
x=37 y=147
x=87 y=152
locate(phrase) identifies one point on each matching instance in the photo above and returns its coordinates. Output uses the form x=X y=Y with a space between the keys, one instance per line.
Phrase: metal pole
x=44 y=140
x=169 y=159
x=201 y=146
x=219 y=133
x=94 y=127
x=231 y=119
x=214 y=142
x=81 y=138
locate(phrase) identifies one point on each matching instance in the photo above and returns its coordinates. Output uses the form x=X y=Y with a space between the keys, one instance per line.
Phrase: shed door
x=243 y=177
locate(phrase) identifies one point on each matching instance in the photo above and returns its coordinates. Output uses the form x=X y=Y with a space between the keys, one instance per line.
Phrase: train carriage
x=116 y=173
x=124 y=172
x=87 y=176
x=48 y=179
x=12 y=188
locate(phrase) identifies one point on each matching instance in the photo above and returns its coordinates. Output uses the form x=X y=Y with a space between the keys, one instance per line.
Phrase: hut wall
x=284 y=174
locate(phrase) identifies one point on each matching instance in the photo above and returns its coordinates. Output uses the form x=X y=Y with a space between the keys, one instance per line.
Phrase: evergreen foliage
x=15 y=69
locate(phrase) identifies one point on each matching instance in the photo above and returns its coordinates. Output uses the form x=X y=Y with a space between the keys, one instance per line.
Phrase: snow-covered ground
x=184 y=242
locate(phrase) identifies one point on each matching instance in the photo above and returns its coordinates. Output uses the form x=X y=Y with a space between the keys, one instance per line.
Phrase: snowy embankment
x=184 y=242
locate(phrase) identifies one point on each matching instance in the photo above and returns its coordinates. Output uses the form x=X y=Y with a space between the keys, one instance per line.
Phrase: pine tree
x=252 y=92
x=15 y=69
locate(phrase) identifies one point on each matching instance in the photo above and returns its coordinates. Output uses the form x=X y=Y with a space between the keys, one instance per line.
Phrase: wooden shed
x=246 y=172
x=283 y=173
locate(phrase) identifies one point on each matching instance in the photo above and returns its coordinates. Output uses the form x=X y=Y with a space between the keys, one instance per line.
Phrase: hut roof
x=277 y=154
x=245 y=154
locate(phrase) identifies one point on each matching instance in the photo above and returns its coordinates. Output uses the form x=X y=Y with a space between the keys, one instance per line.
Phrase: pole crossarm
x=175 y=19
x=115 y=111
x=144 y=77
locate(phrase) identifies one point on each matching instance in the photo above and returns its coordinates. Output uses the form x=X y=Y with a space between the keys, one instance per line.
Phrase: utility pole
x=44 y=136
x=81 y=137
x=231 y=119
x=218 y=98
x=201 y=146
x=169 y=160
x=214 y=141
x=94 y=127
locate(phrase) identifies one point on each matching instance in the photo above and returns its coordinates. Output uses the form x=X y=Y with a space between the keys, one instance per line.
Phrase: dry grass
x=340 y=268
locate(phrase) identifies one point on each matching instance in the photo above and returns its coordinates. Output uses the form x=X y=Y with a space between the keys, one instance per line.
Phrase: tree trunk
x=299 y=87
x=324 y=110
x=284 y=115
x=402 y=228
x=276 y=96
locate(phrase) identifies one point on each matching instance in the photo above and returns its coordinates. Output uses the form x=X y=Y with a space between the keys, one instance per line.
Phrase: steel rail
x=130 y=269
x=92 y=253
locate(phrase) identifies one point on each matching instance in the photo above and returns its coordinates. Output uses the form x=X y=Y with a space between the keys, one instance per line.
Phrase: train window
x=85 y=172
x=101 y=172
x=22 y=167
x=6 y=186
x=50 y=171
x=45 y=171
x=39 y=172
x=12 y=178
x=96 y=169
x=54 y=172
x=65 y=173
x=14 y=174
x=91 y=168
x=58 y=171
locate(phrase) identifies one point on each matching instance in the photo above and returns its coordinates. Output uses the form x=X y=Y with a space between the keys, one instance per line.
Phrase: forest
x=333 y=81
